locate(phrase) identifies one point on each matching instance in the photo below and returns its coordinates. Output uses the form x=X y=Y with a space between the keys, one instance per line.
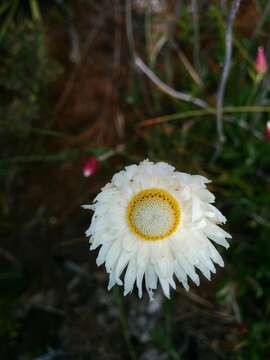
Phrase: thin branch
x=225 y=71
x=211 y=111
x=187 y=64
x=166 y=88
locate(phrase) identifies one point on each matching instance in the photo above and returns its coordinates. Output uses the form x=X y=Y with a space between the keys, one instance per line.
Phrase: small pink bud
x=242 y=328
x=261 y=63
x=267 y=131
x=91 y=166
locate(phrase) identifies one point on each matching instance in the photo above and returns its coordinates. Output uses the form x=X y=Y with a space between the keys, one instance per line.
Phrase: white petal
x=188 y=267
x=208 y=263
x=113 y=254
x=204 y=269
x=130 y=243
x=196 y=209
x=201 y=180
x=217 y=234
x=150 y=278
x=165 y=287
x=89 y=207
x=218 y=215
x=130 y=276
x=112 y=282
x=207 y=196
x=139 y=280
x=131 y=171
x=96 y=241
x=172 y=283
x=122 y=263
x=143 y=254
x=103 y=253
x=181 y=275
x=214 y=254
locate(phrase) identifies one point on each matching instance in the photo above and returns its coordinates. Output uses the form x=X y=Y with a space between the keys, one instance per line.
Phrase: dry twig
x=166 y=88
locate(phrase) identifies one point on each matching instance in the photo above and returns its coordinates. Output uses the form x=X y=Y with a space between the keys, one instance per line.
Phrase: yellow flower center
x=153 y=214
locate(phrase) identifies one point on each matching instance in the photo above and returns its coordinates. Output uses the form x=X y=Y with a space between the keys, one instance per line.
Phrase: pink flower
x=91 y=166
x=261 y=63
x=267 y=131
x=242 y=328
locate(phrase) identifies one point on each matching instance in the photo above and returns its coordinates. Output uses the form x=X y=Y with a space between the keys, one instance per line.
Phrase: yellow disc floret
x=153 y=214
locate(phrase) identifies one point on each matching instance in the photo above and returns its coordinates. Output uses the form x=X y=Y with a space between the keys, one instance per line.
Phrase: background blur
x=80 y=98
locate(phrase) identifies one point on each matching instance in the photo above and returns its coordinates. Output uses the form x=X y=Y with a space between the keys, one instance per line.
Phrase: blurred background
x=88 y=87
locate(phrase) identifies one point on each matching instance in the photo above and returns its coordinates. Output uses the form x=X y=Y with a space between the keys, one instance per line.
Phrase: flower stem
x=124 y=324
x=204 y=112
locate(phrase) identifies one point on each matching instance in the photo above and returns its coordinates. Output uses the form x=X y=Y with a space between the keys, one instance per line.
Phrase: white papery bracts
x=156 y=225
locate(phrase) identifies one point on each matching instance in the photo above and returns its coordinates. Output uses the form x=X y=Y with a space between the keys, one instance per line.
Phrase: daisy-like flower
x=157 y=225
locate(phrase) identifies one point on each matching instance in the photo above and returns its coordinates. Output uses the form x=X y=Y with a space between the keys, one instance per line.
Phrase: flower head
x=267 y=131
x=91 y=166
x=261 y=63
x=156 y=224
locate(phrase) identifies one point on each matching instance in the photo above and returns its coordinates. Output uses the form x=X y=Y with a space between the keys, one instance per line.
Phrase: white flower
x=157 y=224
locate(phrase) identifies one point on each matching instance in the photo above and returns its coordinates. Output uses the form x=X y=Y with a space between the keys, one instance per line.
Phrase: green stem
x=62 y=156
x=123 y=321
x=36 y=14
x=26 y=128
x=252 y=96
x=9 y=18
x=211 y=111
